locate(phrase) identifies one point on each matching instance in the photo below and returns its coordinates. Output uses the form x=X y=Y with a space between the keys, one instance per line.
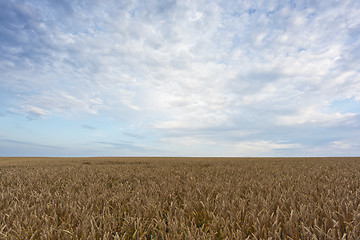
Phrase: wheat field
x=179 y=198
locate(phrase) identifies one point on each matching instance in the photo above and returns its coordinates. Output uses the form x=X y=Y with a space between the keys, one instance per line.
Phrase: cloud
x=133 y=135
x=262 y=148
x=189 y=141
x=33 y=112
x=30 y=144
x=340 y=148
x=312 y=115
x=129 y=148
x=88 y=127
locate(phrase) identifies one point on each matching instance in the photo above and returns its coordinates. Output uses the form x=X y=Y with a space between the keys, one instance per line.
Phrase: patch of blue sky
x=236 y=41
x=347 y=105
x=270 y=13
x=132 y=13
x=236 y=14
x=311 y=15
x=292 y=3
x=252 y=11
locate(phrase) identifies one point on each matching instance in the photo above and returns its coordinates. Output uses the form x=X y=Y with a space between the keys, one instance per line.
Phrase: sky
x=179 y=78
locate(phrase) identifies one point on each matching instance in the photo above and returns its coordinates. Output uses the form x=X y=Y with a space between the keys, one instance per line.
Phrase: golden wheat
x=179 y=198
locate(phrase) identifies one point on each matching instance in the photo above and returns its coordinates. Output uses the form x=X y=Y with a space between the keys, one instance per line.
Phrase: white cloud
x=343 y=145
x=312 y=114
x=34 y=112
x=261 y=148
x=64 y=104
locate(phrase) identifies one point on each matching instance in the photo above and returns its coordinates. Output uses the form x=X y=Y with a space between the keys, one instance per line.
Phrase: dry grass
x=175 y=198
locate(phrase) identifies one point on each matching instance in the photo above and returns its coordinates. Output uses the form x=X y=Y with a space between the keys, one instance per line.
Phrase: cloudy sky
x=179 y=78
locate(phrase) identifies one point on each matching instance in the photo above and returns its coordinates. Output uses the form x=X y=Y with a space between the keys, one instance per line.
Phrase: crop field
x=179 y=198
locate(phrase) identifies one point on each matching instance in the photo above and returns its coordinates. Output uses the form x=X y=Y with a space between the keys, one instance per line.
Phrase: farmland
x=179 y=198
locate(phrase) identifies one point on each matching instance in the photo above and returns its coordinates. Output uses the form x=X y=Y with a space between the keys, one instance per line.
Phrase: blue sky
x=179 y=78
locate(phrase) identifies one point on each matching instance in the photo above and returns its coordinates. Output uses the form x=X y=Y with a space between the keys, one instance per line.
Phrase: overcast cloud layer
x=179 y=78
